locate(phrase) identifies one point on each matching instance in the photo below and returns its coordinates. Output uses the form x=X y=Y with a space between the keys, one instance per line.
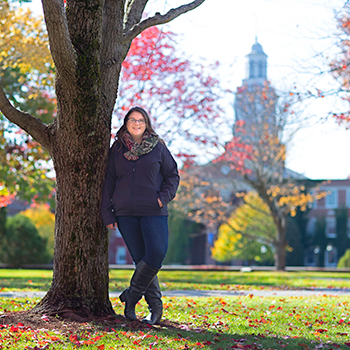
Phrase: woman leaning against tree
x=141 y=179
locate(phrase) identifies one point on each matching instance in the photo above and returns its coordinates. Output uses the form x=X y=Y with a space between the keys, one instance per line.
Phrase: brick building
x=328 y=224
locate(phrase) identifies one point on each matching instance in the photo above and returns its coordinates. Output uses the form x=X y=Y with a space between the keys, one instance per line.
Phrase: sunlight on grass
x=40 y=280
x=243 y=322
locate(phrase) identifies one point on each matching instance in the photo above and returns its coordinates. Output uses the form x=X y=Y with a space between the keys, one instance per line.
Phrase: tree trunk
x=80 y=275
x=280 y=259
x=89 y=40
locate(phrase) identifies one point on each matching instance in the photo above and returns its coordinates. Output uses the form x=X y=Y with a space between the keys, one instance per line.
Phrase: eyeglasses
x=134 y=121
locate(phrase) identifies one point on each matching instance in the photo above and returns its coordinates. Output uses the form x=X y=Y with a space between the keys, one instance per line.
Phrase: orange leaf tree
x=256 y=154
x=26 y=74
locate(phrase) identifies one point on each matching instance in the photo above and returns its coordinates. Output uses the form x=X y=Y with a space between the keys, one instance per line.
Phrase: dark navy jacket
x=132 y=187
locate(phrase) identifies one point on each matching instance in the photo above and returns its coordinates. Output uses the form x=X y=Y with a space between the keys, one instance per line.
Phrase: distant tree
x=295 y=238
x=258 y=153
x=340 y=64
x=320 y=241
x=26 y=74
x=22 y=243
x=182 y=96
x=2 y=222
x=44 y=221
x=342 y=241
x=181 y=232
x=249 y=234
x=200 y=200
x=344 y=261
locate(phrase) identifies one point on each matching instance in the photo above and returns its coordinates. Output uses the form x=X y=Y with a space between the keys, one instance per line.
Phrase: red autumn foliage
x=6 y=200
x=181 y=96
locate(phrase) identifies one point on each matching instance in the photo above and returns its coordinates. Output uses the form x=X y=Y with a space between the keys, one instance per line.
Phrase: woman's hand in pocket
x=112 y=226
x=160 y=203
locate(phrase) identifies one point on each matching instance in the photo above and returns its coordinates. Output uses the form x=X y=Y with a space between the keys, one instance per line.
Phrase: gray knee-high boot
x=141 y=279
x=153 y=297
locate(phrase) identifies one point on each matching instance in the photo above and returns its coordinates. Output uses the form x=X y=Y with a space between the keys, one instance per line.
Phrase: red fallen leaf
x=45 y=318
x=101 y=347
x=73 y=338
x=321 y=330
x=341 y=321
x=97 y=338
x=306 y=347
x=88 y=342
x=347 y=344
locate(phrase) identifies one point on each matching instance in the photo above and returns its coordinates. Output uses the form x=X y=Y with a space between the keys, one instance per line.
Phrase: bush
x=22 y=243
x=44 y=221
x=344 y=261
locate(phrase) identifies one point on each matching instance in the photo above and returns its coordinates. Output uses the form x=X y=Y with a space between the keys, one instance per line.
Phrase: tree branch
x=159 y=19
x=33 y=126
x=133 y=13
x=61 y=47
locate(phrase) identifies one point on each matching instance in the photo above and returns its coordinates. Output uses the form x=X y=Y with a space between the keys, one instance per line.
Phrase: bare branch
x=61 y=48
x=133 y=13
x=33 y=126
x=159 y=19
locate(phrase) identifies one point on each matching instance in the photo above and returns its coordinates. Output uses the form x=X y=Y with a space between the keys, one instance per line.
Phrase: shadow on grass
x=117 y=330
x=181 y=336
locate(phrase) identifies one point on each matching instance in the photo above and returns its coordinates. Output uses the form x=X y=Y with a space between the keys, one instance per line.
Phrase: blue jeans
x=146 y=238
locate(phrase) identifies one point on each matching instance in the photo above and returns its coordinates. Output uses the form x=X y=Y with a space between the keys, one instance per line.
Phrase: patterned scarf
x=135 y=150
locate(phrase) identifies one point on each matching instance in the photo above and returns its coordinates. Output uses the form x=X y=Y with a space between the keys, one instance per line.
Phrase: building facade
x=328 y=224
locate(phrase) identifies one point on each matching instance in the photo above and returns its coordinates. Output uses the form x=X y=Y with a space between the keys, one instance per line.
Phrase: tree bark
x=89 y=40
x=280 y=261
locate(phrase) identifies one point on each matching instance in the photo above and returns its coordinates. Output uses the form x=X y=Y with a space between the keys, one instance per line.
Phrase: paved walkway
x=211 y=293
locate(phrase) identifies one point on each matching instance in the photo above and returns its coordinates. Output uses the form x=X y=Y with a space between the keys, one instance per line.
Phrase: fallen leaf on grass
x=45 y=318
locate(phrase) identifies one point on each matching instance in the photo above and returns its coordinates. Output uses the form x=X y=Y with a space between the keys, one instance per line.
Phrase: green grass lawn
x=40 y=280
x=237 y=322
x=243 y=322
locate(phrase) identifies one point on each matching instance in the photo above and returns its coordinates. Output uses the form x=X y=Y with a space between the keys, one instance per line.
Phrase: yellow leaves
x=291 y=197
x=251 y=219
x=23 y=41
x=44 y=220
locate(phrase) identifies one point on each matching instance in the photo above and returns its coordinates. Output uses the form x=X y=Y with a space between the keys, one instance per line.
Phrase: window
x=311 y=226
x=314 y=203
x=251 y=69
x=332 y=199
x=261 y=69
x=331 y=227
x=348 y=198
x=331 y=256
x=120 y=256
x=310 y=257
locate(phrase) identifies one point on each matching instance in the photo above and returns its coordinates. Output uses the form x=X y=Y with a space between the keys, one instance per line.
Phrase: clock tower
x=255 y=100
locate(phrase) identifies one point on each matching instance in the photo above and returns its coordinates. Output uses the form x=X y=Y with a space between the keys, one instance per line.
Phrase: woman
x=141 y=179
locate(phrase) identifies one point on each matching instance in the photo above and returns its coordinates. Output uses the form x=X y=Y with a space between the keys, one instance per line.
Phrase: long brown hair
x=119 y=136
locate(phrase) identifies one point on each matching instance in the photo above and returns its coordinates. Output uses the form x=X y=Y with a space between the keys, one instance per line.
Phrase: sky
x=296 y=35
